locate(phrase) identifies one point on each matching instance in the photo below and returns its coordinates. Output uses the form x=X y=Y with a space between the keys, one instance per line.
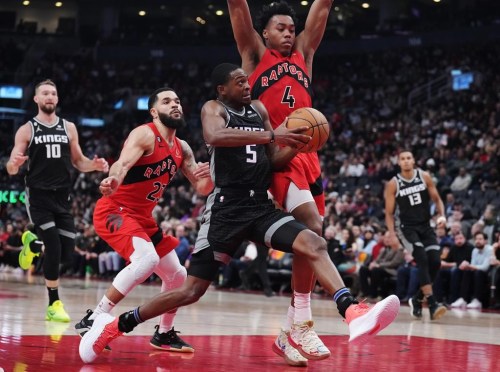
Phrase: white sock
x=289 y=318
x=105 y=306
x=166 y=319
x=302 y=302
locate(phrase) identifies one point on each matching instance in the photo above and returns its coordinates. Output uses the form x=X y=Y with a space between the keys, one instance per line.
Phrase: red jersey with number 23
x=146 y=181
x=283 y=85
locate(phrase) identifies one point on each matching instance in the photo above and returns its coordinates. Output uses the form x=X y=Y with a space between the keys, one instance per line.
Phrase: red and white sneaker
x=103 y=331
x=303 y=338
x=282 y=347
x=365 y=322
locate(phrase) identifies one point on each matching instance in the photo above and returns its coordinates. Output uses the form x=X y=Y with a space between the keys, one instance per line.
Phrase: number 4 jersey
x=412 y=198
x=283 y=85
x=49 y=156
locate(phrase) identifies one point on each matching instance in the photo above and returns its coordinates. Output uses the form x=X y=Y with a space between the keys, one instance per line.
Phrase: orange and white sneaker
x=282 y=347
x=103 y=331
x=303 y=338
x=365 y=321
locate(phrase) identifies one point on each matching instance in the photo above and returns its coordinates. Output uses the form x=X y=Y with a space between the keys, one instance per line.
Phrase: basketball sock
x=53 y=294
x=287 y=325
x=129 y=320
x=166 y=321
x=36 y=246
x=302 y=302
x=344 y=299
x=105 y=306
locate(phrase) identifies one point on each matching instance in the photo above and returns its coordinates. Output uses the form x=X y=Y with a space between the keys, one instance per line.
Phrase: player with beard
x=50 y=146
x=149 y=160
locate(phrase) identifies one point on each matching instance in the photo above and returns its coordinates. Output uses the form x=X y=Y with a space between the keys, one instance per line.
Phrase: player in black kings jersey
x=50 y=146
x=411 y=191
x=240 y=139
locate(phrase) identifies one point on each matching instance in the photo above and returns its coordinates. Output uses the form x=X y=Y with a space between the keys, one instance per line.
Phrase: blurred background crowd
x=379 y=93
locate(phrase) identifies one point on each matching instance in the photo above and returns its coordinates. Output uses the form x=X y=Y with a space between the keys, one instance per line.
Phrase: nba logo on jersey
x=158 y=139
x=221 y=199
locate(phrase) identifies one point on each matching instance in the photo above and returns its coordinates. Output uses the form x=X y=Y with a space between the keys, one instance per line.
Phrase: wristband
x=272 y=137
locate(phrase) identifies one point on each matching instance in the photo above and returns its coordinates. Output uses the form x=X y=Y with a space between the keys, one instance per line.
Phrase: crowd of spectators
x=456 y=138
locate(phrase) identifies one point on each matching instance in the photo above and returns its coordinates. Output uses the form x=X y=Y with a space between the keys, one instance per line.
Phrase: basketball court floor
x=233 y=331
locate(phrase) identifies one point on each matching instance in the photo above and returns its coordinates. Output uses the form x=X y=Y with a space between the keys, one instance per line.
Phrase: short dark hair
x=154 y=97
x=221 y=73
x=485 y=237
x=268 y=11
x=45 y=82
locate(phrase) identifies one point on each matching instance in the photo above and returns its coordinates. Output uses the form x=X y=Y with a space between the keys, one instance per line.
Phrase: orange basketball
x=319 y=129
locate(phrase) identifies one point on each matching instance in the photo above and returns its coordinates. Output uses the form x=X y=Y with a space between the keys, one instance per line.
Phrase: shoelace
x=310 y=339
x=104 y=338
x=360 y=307
x=172 y=335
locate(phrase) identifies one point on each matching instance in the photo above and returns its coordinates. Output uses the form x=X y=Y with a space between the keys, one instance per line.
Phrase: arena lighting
x=142 y=103
x=26 y=2
x=219 y=12
x=365 y=5
x=437 y=1
x=304 y=3
x=200 y=20
x=461 y=80
x=92 y=122
x=142 y=13
x=58 y=4
x=11 y=91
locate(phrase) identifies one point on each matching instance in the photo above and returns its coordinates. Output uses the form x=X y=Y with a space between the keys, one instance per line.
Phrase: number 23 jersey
x=146 y=181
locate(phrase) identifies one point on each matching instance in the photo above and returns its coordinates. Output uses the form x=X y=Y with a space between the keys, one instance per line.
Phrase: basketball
x=319 y=129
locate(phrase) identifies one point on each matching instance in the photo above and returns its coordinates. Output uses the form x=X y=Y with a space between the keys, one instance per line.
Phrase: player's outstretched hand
x=291 y=137
x=108 y=185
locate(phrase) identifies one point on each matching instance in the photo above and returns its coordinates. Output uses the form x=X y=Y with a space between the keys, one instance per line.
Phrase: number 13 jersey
x=412 y=198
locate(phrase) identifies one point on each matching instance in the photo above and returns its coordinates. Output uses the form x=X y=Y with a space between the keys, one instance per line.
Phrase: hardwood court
x=233 y=332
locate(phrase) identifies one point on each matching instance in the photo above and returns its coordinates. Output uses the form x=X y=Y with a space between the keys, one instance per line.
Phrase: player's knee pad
x=171 y=272
x=176 y=279
x=143 y=262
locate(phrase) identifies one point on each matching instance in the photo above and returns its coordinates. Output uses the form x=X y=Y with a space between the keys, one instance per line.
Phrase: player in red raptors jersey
x=150 y=158
x=280 y=68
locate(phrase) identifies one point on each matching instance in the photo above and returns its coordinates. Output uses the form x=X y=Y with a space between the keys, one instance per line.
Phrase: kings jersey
x=146 y=181
x=49 y=156
x=413 y=200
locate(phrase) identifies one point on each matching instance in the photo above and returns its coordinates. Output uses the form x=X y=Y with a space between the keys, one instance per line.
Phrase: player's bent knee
x=309 y=244
x=179 y=277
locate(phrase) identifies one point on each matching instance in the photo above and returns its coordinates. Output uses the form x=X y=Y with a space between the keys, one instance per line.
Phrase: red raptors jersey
x=282 y=84
x=145 y=182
